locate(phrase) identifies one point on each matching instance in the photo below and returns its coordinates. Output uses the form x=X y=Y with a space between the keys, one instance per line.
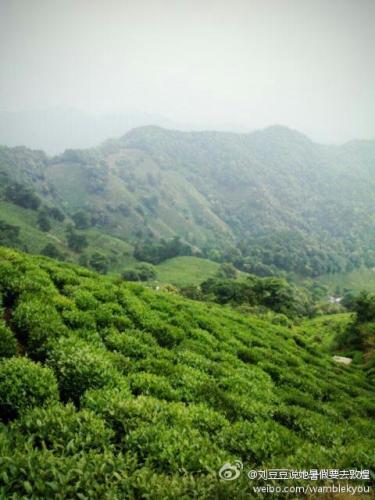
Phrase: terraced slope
x=111 y=390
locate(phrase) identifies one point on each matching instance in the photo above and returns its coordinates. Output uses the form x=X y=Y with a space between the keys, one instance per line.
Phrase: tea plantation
x=110 y=390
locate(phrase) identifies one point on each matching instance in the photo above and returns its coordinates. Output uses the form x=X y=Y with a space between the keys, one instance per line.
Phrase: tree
x=50 y=250
x=55 y=213
x=9 y=234
x=99 y=262
x=76 y=242
x=43 y=221
x=81 y=220
x=227 y=270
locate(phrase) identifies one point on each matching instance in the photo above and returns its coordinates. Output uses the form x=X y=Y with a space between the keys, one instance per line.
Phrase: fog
x=238 y=64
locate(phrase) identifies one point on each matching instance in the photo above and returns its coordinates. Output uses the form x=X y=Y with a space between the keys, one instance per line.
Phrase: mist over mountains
x=55 y=129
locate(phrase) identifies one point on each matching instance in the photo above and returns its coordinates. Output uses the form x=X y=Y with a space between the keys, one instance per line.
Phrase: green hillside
x=112 y=390
x=323 y=331
x=183 y=271
x=271 y=201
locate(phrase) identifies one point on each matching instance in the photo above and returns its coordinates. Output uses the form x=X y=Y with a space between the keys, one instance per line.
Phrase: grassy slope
x=186 y=270
x=30 y=235
x=323 y=330
x=183 y=271
x=32 y=238
x=358 y=280
x=168 y=390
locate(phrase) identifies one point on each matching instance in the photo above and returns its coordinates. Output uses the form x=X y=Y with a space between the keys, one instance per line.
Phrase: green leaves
x=79 y=366
x=24 y=385
x=157 y=392
x=8 y=341
x=63 y=429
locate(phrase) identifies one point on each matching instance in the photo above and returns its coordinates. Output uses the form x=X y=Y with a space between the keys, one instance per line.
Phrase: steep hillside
x=114 y=391
x=291 y=203
x=267 y=201
x=34 y=220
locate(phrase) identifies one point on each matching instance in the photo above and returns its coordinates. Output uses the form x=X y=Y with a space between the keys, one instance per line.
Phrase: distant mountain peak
x=281 y=132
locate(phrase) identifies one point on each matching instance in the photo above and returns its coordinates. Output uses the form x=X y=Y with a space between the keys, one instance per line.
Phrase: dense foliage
x=141 y=272
x=133 y=393
x=156 y=252
x=268 y=293
x=359 y=336
x=291 y=204
x=9 y=234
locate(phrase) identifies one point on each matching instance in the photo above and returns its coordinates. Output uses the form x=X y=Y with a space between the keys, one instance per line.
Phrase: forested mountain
x=267 y=201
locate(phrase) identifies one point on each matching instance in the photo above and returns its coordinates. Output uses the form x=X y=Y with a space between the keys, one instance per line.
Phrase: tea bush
x=62 y=429
x=23 y=385
x=8 y=342
x=79 y=366
x=111 y=390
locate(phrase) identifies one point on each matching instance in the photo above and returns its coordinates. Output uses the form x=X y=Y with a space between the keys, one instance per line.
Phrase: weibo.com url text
x=313 y=490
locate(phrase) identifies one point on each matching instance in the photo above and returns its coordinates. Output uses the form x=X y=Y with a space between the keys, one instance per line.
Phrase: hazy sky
x=308 y=64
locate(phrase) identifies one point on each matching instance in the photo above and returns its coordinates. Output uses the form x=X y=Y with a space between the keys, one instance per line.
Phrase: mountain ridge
x=270 y=199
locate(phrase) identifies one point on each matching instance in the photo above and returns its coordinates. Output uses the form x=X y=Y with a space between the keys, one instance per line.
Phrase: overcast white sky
x=308 y=64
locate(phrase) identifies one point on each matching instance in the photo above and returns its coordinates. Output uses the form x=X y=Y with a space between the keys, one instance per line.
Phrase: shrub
x=129 y=343
x=8 y=342
x=23 y=385
x=74 y=318
x=63 y=429
x=149 y=384
x=38 y=324
x=172 y=449
x=32 y=473
x=84 y=300
x=257 y=441
x=79 y=366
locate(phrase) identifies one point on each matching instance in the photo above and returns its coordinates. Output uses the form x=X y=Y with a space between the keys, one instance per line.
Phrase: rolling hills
x=133 y=393
x=270 y=201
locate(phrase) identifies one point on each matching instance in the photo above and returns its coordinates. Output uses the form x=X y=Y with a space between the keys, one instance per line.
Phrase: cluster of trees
x=158 y=251
x=46 y=215
x=92 y=216
x=274 y=294
x=141 y=272
x=23 y=196
x=76 y=241
x=290 y=253
x=110 y=390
